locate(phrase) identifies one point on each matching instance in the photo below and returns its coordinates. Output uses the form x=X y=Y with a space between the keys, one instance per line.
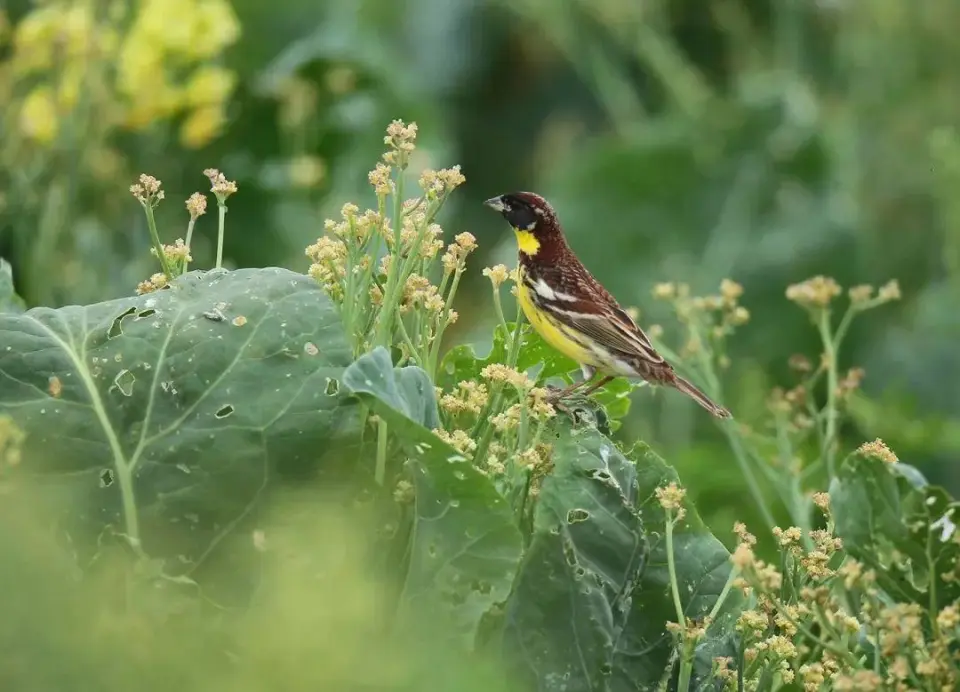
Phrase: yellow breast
x=559 y=336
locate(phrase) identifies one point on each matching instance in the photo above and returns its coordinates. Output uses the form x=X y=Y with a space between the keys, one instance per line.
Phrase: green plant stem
x=733 y=437
x=131 y=519
x=739 y=453
x=718 y=604
x=221 y=222
x=934 y=625
x=157 y=245
x=826 y=645
x=686 y=658
x=409 y=343
x=434 y=358
x=524 y=427
x=830 y=351
x=672 y=569
x=190 y=224
x=381 y=470
x=395 y=275
x=497 y=396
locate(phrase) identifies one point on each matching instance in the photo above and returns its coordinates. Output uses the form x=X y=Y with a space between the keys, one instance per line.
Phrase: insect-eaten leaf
x=171 y=425
x=890 y=518
x=465 y=545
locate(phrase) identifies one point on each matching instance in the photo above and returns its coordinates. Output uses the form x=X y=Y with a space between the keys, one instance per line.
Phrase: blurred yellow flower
x=153 y=102
x=69 y=86
x=306 y=171
x=209 y=84
x=215 y=27
x=38 y=115
x=140 y=62
x=201 y=126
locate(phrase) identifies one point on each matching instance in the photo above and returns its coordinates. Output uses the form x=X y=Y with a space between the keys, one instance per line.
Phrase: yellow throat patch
x=527 y=242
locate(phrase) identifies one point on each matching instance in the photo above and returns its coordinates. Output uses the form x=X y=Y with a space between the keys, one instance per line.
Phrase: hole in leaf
x=481 y=586
x=116 y=328
x=143 y=314
x=578 y=572
x=333 y=386
x=124 y=381
x=106 y=478
x=432 y=550
x=224 y=411
x=569 y=554
x=575 y=516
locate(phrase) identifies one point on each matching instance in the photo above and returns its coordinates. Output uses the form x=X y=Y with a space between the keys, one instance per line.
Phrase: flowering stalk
x=196 y=207
x=670 y=498
x=147 y=191
x=222 y=189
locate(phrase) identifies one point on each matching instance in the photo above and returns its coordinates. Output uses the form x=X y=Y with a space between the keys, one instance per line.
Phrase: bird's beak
x=495 y=203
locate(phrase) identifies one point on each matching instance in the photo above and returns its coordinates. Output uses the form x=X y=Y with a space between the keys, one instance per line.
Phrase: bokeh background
x=682 y=140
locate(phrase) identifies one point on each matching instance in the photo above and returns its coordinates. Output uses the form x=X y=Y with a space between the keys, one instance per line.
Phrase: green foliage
x=587 y=605
x=465 y=545
x=172 y=411
x=899 y=525
x=9 y=300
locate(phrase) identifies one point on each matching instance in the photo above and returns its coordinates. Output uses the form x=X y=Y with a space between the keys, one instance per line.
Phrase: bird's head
x=532 y=218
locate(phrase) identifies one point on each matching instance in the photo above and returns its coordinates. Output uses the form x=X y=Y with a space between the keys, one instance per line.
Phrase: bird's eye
x=522 y=216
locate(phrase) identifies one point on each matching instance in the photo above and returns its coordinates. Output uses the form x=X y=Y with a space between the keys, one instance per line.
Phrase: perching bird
x=573 y=312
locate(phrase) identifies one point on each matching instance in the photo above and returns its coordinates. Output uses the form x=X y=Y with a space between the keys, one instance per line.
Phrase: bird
x=574 y=313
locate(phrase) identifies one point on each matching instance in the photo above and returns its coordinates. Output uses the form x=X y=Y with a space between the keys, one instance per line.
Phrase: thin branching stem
x=157 y=245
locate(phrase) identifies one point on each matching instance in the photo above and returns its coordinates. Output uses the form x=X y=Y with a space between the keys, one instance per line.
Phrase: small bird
x=573 y=312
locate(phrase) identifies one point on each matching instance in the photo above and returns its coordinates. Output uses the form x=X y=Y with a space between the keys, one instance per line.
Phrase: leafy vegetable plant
x=524 y=533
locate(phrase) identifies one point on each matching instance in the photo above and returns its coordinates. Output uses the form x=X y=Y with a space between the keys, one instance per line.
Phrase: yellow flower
x=158 y=101
x=209 y=85
x=201 y=126
x=38 y=115
x=215 y=27
x=139 y=65
x=71 y=83
x=33 y=39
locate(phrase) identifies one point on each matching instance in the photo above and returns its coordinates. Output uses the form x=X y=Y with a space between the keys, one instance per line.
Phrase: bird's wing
x=581 y=303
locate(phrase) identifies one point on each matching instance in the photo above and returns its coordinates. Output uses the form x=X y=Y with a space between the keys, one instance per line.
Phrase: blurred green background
x=680 y=140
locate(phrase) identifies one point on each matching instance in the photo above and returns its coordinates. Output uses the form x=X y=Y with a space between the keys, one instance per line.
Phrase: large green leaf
x=465 y=546
x=703 y=566
x=172 y=410
x=407 y=391
x=9 y=300
x=585 y=558
x=890 y=518
x=593 y=596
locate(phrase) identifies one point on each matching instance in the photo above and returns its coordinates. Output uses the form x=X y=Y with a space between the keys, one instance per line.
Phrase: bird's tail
x=691 y=391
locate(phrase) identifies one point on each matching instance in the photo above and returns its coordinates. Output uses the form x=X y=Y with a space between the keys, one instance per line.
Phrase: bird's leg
x=596 y=385
x=588 y=373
